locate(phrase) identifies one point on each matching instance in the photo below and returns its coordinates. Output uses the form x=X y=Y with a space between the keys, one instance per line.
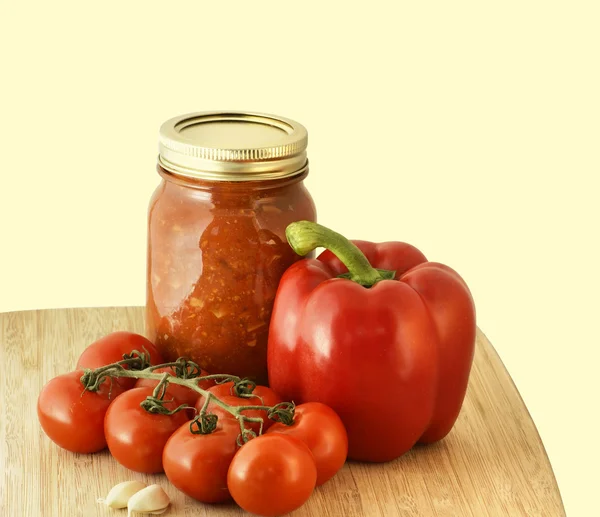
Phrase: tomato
x=319 y=427
x=272 y=475
x=197 y=464
x=182 y=393
x=262 y=396
x=111 y=348
x=73 y=417
x=135 y=437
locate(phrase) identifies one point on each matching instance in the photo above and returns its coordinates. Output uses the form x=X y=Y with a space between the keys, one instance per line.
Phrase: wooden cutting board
x=492 y=463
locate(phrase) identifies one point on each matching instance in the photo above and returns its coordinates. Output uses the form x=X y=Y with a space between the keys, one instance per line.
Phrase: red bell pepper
x=389 y=348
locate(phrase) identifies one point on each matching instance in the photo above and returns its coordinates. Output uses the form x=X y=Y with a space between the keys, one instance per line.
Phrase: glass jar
x=231 y=183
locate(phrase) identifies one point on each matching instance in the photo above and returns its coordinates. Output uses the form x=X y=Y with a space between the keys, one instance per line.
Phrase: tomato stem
x=283 y=412
x=156 y=406
x=187 y=373
x=206 y=423
x=161 y=388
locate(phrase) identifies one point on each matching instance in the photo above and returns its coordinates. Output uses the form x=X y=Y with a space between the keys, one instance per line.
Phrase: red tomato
x=72 y=417
x=197 y=464
x=182 y=393
x=272 y=475
x=111 y=348
x=267 y=398
x=319 y=427
x=135 y=437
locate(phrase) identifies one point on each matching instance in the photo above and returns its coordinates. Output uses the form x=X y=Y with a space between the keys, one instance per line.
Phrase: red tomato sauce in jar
x=216 y=238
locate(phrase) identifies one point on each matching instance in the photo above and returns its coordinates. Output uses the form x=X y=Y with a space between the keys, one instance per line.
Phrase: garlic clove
x=152 y=499
x=119 y=495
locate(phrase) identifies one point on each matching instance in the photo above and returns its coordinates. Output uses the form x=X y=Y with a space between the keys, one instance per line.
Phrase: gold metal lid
x=233 y=146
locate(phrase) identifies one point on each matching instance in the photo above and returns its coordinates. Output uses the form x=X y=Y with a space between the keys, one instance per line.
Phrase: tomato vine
x=188 y=374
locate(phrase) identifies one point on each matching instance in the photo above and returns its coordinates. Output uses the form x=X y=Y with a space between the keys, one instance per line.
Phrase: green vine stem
x=155 y=403
x=187 y=373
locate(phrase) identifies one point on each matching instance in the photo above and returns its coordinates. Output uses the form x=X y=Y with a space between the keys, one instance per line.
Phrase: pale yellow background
x=470 y=129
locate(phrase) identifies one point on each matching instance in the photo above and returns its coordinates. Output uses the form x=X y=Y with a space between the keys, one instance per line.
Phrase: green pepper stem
x=305 y=236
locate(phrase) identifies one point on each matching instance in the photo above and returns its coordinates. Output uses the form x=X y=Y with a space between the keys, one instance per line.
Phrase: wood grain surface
x=492 y=463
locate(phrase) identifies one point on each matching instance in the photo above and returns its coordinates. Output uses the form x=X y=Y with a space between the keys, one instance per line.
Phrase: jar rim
x=253 y=184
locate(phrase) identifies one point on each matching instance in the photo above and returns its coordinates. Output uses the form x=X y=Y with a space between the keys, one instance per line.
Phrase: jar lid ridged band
x=233 y=146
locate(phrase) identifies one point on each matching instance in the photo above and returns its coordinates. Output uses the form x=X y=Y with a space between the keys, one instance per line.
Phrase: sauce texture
x=217 y=251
